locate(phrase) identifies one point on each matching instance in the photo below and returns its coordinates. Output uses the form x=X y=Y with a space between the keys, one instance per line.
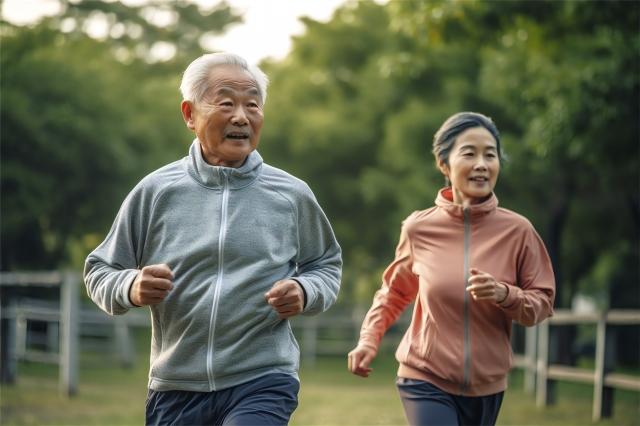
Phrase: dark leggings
x=426 y=404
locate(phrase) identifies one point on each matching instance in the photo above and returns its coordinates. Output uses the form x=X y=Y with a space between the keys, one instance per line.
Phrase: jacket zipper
x=216 y=294
x=467 y=355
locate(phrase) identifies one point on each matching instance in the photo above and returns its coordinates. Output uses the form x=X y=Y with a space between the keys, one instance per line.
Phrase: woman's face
x=473 y=166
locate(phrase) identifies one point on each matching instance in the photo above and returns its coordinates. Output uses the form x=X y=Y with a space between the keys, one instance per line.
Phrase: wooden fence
x=66 y=321
x=603 y=380
x=67 y=317
x=334 y=333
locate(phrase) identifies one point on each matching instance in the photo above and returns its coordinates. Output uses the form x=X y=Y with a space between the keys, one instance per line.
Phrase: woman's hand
x=484 y=287
x=359 y=360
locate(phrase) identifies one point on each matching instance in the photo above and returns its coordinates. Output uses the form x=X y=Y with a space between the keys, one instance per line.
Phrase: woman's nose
x=480 y=164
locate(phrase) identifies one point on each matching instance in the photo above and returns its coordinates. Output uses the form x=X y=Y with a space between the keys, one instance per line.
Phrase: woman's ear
x=442 y=166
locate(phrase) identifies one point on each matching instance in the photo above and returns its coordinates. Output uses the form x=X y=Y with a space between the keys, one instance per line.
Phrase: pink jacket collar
x=476 y=212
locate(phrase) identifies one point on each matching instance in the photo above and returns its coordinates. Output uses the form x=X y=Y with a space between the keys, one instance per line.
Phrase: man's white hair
x=195 y=80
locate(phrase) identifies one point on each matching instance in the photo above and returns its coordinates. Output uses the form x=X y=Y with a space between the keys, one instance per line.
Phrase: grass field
x=329 y=395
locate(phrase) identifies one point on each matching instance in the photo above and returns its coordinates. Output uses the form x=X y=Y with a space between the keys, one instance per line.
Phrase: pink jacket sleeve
x=531 y=300
x=399 y=289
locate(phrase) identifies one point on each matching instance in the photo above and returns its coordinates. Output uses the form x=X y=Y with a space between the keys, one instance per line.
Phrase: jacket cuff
x=125 y=301
x=370 y=341
x=511 y=297
x=309 y=293
x=303 y=291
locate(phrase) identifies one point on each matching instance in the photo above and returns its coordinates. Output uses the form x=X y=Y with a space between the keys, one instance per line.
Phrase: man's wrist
x=304 y=292
x=127 y=291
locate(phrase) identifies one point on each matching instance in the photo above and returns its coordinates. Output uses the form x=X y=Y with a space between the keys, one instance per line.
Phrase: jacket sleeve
x=399 y=288
x=531 y=300
x=112 y=267
x=318 y=256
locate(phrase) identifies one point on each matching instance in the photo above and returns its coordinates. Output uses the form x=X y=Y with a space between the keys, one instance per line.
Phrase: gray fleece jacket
x=228 y=235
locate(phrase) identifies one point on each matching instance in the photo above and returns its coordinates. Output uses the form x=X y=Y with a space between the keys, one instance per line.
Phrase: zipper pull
x=224 y=174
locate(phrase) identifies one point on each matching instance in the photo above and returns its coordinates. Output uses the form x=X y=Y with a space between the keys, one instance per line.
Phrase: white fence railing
x=66 y=319
x=603 y=381
x=334 y=333
x=69 y=302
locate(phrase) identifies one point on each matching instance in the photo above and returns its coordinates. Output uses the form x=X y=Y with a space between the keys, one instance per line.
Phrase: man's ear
x=187 y=114
x=442 y=166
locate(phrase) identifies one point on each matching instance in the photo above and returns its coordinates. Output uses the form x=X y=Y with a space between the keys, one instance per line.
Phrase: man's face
x=228 y=118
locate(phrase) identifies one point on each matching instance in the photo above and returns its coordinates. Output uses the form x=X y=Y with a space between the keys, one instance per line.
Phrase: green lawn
x=329 y=395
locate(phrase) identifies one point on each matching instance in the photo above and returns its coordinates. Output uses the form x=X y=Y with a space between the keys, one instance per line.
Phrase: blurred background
x=90 y=105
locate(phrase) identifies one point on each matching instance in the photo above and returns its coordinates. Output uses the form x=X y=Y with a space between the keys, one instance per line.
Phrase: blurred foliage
x=352 y=111
x=84 y=120
x=354 y=108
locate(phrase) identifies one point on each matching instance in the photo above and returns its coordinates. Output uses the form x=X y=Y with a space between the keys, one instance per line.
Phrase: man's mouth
x=238 y=136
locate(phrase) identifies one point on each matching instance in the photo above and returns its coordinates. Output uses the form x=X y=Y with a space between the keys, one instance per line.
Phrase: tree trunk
x=560 y=337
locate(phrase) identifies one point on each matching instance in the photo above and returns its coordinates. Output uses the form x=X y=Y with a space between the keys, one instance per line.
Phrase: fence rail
x=68 y=283
x=333 y=333
x=603 y=381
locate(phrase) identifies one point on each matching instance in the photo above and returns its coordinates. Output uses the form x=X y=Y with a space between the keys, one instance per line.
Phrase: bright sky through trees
x=266 y=31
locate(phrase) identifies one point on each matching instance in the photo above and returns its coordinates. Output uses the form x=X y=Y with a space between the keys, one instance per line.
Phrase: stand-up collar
x=476 y=211
x=212 y=176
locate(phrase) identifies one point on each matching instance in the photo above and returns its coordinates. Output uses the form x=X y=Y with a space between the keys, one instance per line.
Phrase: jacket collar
x=213 y=176
x=476 y=212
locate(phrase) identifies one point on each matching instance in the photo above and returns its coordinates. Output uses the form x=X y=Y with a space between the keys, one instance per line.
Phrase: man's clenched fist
x=286 y=297
x=151 y=285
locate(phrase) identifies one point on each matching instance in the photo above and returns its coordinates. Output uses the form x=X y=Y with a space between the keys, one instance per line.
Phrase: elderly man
x=223 y=248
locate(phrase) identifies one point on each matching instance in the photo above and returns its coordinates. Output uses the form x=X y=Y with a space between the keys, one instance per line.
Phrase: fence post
x=530 y=348
x=123 y=342
x=69 y=319
x=309 y=336
x=20 y=343
x=602 y=396
x=8 y=345
x=542 y=397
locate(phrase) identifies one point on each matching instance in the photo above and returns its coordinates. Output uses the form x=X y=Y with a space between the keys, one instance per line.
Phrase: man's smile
x=237 y=135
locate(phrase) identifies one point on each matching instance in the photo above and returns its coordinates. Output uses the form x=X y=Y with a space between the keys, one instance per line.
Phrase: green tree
x=354 y=107
x=566 y=73
x=353 y=111
x=83 y=121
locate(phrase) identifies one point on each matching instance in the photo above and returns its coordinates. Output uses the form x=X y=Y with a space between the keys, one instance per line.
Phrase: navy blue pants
x=267 y=400
x=426 y=404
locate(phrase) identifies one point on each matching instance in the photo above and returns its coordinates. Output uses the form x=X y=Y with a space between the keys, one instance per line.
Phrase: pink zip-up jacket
x=455 y=342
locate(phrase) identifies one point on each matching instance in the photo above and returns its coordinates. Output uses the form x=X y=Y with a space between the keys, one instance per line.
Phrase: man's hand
x=359 y=360
x=287 y=298
x=484 y=287
x=151 y=285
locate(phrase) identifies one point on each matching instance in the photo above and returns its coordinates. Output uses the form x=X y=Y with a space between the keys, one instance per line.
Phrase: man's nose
x=239 y=117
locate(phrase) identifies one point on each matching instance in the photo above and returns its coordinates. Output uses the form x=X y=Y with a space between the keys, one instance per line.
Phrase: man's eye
x=226 y=104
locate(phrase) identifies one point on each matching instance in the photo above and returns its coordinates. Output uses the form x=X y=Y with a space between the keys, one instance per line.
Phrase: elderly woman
x=471 y=268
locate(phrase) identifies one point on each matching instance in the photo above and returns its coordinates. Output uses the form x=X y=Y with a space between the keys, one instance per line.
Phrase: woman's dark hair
x=446 y=136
